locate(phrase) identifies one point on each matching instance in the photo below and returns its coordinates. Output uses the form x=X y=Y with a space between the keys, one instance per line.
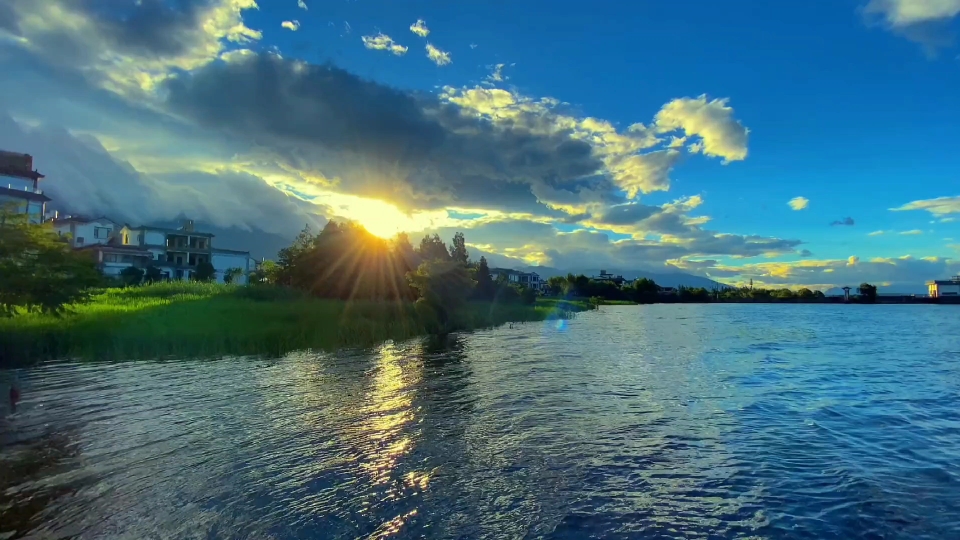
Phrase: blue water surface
x=666 y=421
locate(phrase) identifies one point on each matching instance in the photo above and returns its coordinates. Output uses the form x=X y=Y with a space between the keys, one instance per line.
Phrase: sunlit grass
x=181 y=319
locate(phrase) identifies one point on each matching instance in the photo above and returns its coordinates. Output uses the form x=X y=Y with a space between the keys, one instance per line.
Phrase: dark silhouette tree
x=131 y=276
x=486 y=288
x=152 y=274
x=868 y=293
x=204 y=271
x=458 y=249
x=432 y=248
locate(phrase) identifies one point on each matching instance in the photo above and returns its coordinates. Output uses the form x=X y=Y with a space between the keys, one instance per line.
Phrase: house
x=20 y=185
x=605 y=276
x=524 y=279
x=175 y=252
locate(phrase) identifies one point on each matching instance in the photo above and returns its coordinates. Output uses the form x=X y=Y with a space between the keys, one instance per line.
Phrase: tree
x=868 y=292
x=290 y=260
x=432 y=248
x=204 y=272
x=644 y=291
x=444 y=287
x=38 y=271
x=232 y=275
x=557 y=285
x=458 y=249
x=131 y=276
x=805 y=294
x=486 y=288
x=152 y=274
x=266 y=273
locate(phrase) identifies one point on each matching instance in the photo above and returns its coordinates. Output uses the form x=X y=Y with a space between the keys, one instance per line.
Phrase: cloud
x=496 y=73
x=420 y=28
x=798 y=203
x=721 y=135
x=302 y=5
x=83 y=177
x=903 y=274
x=877 y=233
x=847 y=221
x=438 y=57
x=383 y=42
x=293 y=26
x=941 y=206
x=127 y=47
x=913 y=232
x=923 y=21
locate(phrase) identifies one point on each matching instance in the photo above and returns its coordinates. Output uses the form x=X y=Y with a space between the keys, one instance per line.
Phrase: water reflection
x=656 y=421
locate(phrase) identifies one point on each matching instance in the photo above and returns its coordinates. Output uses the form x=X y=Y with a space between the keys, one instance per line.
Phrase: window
x=101 y=232
x=126 y=239
x=79 y=240
x=140 y=239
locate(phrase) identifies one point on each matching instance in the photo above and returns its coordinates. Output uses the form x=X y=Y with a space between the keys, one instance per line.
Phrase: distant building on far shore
x=944 y=287
x=20 y=185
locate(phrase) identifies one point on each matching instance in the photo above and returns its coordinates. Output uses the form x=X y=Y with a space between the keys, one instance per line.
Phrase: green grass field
x=189 y=319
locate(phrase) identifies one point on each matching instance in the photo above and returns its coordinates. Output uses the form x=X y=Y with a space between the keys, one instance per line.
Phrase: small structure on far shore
x=944 y=287
x=846 y=294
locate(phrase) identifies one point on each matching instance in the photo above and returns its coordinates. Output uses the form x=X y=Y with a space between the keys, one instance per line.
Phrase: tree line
x=346 y=262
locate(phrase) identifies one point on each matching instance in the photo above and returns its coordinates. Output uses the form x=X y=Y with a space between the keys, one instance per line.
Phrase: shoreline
x=189 y=319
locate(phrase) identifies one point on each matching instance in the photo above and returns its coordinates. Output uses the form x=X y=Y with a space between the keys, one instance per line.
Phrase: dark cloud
x=82 y=177
x=628 y=214
x=378 y=141
x=847 y=221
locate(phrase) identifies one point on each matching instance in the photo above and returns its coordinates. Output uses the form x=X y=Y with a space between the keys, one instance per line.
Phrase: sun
x=378 y=217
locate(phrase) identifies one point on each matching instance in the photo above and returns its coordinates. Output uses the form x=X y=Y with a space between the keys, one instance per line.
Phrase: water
x=690 y=421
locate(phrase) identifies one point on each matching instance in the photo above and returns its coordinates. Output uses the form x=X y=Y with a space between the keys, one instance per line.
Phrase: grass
x=189 y=319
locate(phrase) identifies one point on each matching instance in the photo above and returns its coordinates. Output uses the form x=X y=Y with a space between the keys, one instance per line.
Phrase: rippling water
x=692 y=421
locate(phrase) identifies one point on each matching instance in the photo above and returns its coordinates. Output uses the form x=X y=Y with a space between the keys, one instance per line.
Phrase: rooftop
x=18 y=165
x=28 y=194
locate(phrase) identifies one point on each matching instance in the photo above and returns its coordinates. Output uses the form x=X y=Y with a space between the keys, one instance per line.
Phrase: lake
x=665 y=421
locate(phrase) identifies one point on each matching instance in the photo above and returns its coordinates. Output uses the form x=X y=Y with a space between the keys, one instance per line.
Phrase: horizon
x=753 y=148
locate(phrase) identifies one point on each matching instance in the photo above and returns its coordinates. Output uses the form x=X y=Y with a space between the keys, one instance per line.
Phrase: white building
x=20 y=185
x=945 y=287
x=175 y=252
x=524 y=279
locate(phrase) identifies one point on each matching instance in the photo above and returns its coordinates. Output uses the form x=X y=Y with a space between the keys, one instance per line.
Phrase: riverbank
x=181 y=319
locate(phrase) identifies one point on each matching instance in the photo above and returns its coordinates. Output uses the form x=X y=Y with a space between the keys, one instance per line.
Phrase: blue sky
x=653 y=135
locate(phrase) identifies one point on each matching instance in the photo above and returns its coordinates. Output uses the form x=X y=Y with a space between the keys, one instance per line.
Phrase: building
x=605 y=276
x=944 y=287
x=20 y=185
x=175 y=252
x=524 y=279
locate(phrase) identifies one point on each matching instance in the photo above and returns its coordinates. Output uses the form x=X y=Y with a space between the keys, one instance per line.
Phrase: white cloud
x=877 y=233
x=496 y=73
x=941 y=206
x=912 y=232
x=721 y=135
x=293 y=26
x=440 y=58
x=900 y=13
x=798 y=203
x=302 y=5
x=420 y=28
x=383 y=42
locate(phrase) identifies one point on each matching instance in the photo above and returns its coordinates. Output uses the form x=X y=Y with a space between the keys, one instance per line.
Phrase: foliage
x=265 y=274
x=458 y=249
x=432 y=248
x=232 y=274
x=643 y=291
x=152 y=274
x=443 y=287
x=868 y=292
x=204 y=272
x=486 y=288
x=131 y=276
x=38 y=271
x=194 y=319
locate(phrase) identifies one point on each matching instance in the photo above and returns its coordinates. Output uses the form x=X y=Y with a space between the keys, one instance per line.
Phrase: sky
x=799 y=143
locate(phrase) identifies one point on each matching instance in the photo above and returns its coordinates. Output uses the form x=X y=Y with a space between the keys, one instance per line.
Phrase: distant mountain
x=664 y=279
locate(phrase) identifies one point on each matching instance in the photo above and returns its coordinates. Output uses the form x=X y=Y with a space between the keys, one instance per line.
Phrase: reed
x=189 y=319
